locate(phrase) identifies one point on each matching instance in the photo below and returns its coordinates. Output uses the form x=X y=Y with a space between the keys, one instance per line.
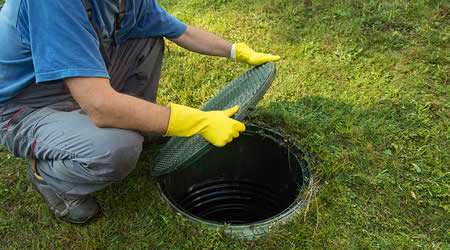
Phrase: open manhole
x=248 y=185
x=245 y=187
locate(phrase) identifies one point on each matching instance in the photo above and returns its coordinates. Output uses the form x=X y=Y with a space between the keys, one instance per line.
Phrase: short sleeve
x=154 y=21
x=62 y=40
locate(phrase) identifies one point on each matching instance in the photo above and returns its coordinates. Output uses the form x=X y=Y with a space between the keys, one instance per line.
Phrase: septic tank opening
x=256 y=178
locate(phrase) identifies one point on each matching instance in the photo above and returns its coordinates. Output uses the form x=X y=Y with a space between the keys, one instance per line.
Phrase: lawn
x=362 y=85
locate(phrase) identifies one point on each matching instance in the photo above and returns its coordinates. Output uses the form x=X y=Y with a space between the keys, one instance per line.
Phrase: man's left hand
x=243 y=53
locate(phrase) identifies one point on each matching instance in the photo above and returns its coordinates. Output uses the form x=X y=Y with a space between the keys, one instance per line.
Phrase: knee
x=123 y=160
x=118 y=155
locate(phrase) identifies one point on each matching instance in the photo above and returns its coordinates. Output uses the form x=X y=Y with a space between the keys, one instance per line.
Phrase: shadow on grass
x=369 y=160
x=326 y=125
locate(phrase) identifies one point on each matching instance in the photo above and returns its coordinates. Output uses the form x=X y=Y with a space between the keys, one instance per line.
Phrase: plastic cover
x=245 y=91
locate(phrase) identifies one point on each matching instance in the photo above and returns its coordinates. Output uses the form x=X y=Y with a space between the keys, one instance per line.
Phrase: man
x=79 y=78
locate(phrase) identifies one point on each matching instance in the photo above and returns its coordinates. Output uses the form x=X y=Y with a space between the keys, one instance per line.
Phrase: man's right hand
x=215 y=126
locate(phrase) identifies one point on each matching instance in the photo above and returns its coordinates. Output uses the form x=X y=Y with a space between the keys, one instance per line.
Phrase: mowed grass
x=362 y=85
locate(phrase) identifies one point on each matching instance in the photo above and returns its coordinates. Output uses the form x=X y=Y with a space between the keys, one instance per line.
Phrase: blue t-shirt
x=43 y=41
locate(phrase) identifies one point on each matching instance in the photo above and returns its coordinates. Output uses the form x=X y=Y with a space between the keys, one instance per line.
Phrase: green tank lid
x=245 y=91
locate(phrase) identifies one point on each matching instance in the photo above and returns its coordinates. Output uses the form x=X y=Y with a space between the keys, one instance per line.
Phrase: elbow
x=96 y=97
x=97 y=112
x=99 y=121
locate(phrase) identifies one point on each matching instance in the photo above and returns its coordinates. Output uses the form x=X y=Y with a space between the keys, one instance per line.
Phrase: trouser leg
x=75 y=156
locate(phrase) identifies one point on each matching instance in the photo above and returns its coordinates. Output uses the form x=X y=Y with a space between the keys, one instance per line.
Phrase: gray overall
x=74 y=156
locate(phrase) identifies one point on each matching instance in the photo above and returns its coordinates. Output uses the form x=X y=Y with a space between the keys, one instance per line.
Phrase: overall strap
x=118 y=18
x=106 y=42
x=120 y=15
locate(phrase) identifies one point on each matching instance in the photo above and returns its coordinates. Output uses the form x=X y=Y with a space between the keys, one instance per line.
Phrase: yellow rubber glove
x=243 y=53
x=215 y=126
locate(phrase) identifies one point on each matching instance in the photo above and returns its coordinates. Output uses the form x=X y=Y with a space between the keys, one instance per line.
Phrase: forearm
x=203 y=42
x=127 y=112
x=108 y=108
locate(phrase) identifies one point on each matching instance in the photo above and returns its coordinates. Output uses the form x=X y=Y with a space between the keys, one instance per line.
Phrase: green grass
x=362 y=85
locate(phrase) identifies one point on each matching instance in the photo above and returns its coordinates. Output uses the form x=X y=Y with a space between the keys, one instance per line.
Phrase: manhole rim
x=253 y=230
x=244 y=231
